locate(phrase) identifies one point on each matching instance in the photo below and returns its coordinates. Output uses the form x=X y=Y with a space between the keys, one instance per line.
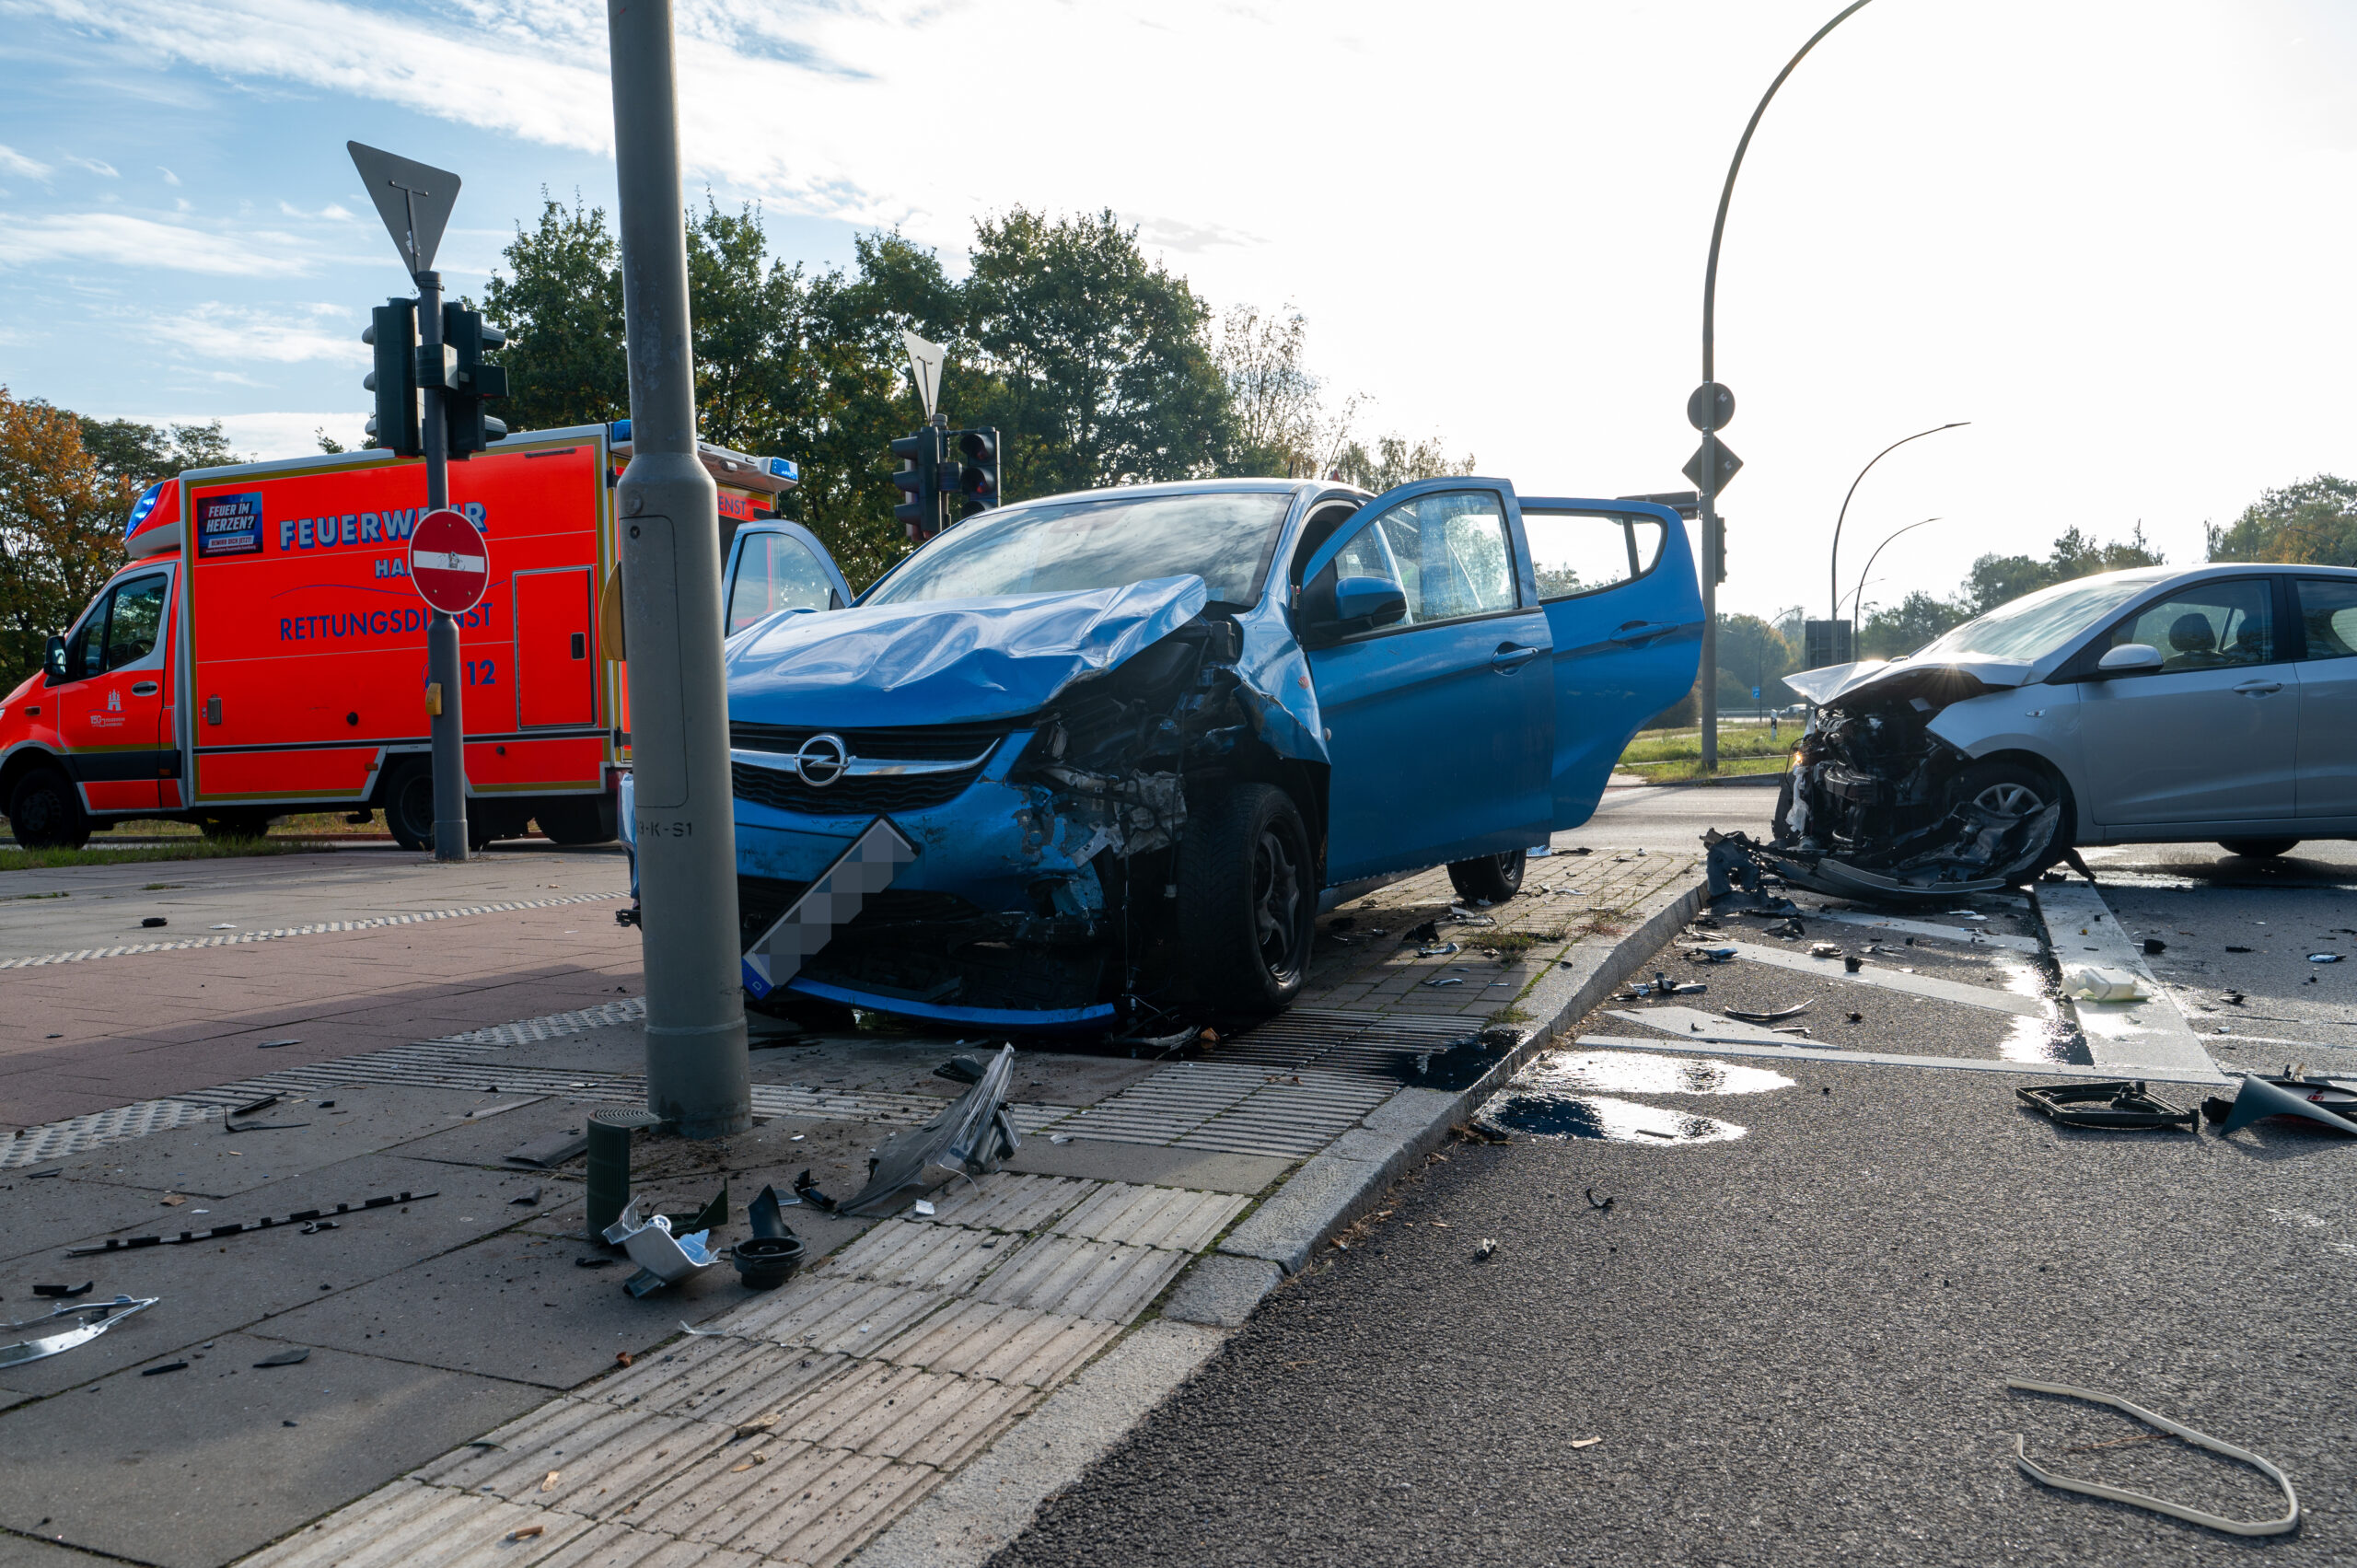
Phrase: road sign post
x=415 y=200
x=669 y=514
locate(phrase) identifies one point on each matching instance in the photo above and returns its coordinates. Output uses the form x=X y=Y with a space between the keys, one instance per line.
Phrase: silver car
x=2155 y=705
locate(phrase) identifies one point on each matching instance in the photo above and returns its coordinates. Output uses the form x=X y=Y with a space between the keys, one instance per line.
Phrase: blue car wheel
x=1248 y=901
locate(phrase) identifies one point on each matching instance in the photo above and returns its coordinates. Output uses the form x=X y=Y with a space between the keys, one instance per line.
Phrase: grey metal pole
x=1712 y=544
x=448 y=726
x=669 y=517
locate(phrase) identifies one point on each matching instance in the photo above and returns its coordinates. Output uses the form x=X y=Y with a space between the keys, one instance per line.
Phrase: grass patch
x=307 y=823
x=1686 y=745
x=1692 y=767
x=1514 y=943
x=12 y=859
x=1509 y=1016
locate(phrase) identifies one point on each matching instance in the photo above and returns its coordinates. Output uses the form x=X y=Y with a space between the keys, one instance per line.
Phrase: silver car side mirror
x=2130 y=658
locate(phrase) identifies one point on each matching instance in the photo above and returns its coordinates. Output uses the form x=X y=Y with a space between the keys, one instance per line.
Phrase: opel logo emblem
x=821 y=759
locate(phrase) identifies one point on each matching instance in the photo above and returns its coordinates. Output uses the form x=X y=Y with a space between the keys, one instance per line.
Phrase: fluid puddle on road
x=1560 y=1096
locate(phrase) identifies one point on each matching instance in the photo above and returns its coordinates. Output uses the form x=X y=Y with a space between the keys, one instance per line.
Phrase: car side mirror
x=2129 y=659
x=52 y=658
x=1369 y=602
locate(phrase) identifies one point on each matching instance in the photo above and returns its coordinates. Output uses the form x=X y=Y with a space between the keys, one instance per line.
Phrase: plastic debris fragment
x=969 y=1137
x=2094 y=983
x=100 y=1315
x=2037 y=1472
x=662 y=1258
x=2121 y=1106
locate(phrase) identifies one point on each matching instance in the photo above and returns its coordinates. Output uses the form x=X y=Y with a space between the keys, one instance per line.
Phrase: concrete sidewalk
x=1152 y=1206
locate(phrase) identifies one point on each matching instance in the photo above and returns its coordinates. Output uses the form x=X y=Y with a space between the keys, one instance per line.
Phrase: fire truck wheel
x=577 y=819
x=46 y=812
x=409 y=805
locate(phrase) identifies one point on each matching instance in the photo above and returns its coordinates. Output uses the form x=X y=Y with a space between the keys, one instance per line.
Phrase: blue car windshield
x=1225 y=537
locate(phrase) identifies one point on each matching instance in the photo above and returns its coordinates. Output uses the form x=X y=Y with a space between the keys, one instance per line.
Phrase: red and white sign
x=448 y=562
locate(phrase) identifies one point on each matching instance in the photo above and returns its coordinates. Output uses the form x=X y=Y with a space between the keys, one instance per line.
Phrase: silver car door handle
x=2258 y=688
x=143 y=689
x=1640 y=632
x=1512 y=657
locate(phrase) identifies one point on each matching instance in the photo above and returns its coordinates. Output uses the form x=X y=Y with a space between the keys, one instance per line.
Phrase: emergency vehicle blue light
x=145 y=504
x=783 y=468
x=619 y=432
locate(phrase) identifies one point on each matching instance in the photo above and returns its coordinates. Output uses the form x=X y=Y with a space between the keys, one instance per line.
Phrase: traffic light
x=920 y=475
x=978 y=458
x=392 y=332
x=471 y=381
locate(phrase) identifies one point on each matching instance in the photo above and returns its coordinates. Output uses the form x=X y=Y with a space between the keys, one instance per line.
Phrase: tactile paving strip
x=1232 y=1109
x=239 y=939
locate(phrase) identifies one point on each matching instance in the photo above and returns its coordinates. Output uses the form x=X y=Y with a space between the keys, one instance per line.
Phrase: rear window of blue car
x=1223 y=537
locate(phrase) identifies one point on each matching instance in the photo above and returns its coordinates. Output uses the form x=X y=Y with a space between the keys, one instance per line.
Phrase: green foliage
x=1997 y=579
x=2310 y=523
x=128 y=452
x=1395 y=462
x=561 y=305
x=1903 y=627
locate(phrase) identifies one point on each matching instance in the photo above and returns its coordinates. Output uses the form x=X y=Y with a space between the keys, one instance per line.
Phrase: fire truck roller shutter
x=555 y=624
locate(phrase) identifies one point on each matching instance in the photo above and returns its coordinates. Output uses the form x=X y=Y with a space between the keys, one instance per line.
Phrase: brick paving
x=1566 y=899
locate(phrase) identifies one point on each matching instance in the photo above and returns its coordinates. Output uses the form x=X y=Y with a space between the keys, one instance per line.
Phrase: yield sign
x=414 y=199
x=924 y=360
x=447 y=562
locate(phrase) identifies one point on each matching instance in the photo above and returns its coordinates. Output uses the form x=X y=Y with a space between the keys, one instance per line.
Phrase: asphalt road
x=1791 y=1327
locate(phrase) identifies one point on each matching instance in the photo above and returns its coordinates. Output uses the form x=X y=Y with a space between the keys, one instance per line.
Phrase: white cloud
x=281 y=335
x=273 y=435
x=95 y=165
x=121 y=240
x=170 y=178
x=16 y=162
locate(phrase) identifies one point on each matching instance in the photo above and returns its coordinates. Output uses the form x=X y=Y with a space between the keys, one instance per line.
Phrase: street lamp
x=1857 y=600
x=1711 y=406
x=1834 y=568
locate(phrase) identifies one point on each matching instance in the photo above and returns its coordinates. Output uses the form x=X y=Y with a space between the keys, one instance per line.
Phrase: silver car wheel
x=2009 y=799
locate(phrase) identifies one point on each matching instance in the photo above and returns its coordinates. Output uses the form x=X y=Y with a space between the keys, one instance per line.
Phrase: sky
x=2109 y=234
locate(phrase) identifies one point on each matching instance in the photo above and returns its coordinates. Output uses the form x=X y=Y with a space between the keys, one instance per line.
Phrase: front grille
x=856 y=797
x=847 y=798
x=762 y=899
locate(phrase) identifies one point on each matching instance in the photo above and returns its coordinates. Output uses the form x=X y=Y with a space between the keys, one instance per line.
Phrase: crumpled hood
x=1954 y=678
x=945 y=661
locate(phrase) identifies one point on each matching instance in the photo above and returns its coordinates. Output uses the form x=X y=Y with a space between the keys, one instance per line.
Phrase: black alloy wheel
x=45 y=812
x=2016 y=790
x=1248 y=901
x=1491 y=879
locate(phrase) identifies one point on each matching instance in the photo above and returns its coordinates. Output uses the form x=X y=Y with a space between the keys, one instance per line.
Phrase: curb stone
x=1335 y=1188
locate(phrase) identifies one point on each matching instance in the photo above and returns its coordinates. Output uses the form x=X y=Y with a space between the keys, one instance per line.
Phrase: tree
x=62 y=507
x=1106 y=376
x=1998 y=579
x=128 y=452
x=1899 y=629
x=1752 y=653
x=2312 y=522
x=1394 y=461
x=561 y=305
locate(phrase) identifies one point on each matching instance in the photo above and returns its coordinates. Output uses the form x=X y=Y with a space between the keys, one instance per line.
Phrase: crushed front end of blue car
x=969 y=811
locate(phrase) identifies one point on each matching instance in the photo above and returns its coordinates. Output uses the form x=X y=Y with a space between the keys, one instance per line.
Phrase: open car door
x=775 y=565
x=1624 y=611
x=1430 y=655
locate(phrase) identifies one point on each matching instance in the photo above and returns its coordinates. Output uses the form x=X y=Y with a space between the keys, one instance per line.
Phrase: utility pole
x=669 y=515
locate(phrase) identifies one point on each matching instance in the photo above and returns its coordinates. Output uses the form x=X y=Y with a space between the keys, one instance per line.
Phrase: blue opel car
x=1091 y=760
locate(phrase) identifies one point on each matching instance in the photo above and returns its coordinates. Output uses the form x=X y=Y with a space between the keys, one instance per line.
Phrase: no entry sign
x=447 y=562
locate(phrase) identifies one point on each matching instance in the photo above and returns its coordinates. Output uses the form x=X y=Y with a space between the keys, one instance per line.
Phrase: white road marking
x=2126 y=1038
x=1892 y=980
x=1925 y=928
x=1699 y=1046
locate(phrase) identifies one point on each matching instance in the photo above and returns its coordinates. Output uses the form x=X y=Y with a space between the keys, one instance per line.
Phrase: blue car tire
x=1490 y=879
x=1248 y=901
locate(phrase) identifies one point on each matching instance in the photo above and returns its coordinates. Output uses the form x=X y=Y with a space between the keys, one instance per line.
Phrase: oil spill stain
x=1550 y=1115
x=1635 y=1073
x=1573 y=1093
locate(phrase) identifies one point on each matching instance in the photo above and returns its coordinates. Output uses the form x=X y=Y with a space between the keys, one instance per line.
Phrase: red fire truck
x=264 y=651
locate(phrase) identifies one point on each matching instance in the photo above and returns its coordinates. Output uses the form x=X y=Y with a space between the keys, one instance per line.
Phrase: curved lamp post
x=1711 y=396
x=1834 y=568
x=1857 y=600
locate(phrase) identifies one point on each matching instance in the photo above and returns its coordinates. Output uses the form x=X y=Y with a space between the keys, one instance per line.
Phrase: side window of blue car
x=1581 y=552
x=1448 y=554
x=775 y=571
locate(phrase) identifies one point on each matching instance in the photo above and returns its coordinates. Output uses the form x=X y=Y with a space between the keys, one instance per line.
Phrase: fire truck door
x=556 y=673
x=110 y=706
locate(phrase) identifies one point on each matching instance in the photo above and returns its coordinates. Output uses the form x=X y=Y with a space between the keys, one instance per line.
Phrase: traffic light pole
x=669 y=520
x=1712 y=544
x=448 y=720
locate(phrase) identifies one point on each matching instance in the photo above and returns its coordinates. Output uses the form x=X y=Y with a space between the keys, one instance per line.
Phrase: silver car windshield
x=2036 y=625
x=1223 y=537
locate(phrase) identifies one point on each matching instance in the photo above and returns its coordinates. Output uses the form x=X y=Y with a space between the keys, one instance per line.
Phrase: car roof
x=1181 y=487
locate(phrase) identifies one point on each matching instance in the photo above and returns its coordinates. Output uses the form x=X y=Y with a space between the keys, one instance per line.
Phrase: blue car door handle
x=2259 y=688
x=1635 y=632
x=1512 y=657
